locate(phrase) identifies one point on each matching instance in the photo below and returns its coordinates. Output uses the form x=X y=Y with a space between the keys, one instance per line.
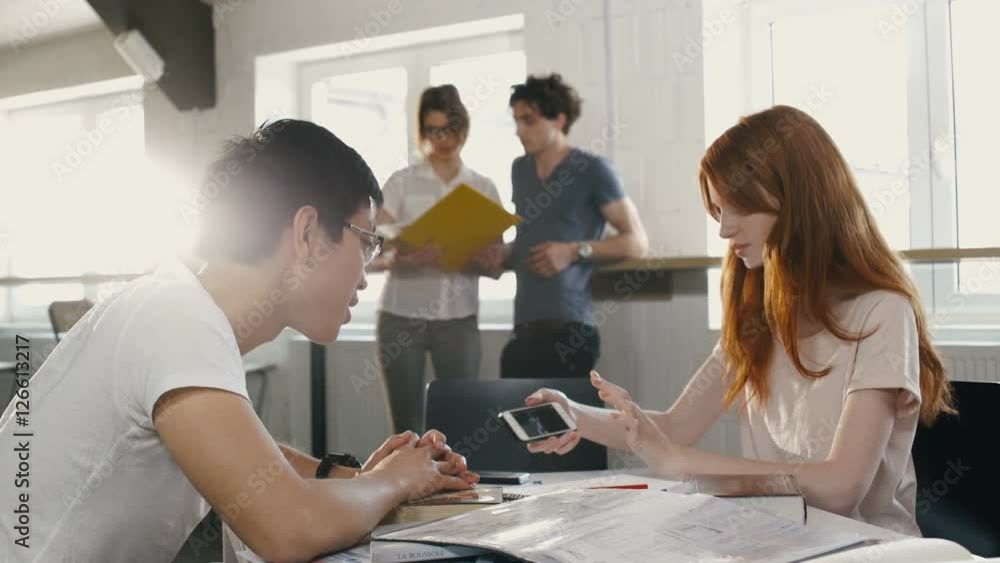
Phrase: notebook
x=444 y=505
x=775 y=494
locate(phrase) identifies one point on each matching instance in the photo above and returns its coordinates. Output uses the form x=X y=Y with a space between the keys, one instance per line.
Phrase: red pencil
x=636 y=487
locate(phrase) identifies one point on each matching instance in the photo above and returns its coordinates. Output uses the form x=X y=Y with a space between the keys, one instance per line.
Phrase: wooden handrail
x=663 y=263
x=702 y=262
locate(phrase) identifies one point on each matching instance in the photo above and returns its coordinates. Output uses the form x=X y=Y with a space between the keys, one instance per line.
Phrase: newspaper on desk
x=579 y=526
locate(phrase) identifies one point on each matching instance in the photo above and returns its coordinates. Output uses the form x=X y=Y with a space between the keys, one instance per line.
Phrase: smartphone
x=538 y=422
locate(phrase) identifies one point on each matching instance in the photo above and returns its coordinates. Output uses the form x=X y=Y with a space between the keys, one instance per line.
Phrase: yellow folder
x=461 y=224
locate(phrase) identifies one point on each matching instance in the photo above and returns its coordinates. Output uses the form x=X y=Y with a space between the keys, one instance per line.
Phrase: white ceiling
x=38 y=20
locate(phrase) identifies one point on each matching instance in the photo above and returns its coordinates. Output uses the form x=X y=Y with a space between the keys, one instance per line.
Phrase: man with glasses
x=142 y=413
x=373 y=242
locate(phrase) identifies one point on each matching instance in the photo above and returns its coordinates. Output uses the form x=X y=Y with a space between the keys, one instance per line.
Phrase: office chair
x=958 y=471
x=64 y=314
x=466 y=411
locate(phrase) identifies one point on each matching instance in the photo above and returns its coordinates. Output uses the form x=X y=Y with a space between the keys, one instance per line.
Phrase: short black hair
x=550 y=96
x=251 y=192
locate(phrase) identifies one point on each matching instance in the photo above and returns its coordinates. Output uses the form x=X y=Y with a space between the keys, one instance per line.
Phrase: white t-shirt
x=102 y=485
x=431 y=295
x=800 y=419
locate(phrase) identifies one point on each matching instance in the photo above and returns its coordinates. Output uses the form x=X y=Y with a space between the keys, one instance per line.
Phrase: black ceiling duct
x=182 y=33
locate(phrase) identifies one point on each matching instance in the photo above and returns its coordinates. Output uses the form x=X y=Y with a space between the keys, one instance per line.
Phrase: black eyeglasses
x=440 y=133
x=373 y=242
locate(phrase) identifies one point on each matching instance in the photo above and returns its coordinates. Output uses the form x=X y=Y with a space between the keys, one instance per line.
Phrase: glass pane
x=31 y=302
x=975 y=61
x=86 y=201
x=84 y=170
x=484 y=85
x=368 y=111
x=840 y=68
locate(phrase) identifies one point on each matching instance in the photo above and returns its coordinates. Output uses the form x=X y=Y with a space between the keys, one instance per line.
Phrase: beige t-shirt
x=800 y=419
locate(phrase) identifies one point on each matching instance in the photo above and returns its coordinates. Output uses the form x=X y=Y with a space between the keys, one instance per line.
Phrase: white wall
x=63 y=61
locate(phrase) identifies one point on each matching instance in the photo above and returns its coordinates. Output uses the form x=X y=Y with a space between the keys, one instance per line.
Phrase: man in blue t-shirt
x=565 y=197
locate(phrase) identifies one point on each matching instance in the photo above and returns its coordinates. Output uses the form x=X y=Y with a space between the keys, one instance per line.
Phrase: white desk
x=816 y=518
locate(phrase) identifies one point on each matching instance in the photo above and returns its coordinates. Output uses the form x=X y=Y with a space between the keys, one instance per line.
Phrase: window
x=370 y=100
x=975 y=64
x=80 y=199
x=905 y=91
x=368 y=110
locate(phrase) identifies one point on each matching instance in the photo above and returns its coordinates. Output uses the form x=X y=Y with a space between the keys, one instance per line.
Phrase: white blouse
x=431 y=295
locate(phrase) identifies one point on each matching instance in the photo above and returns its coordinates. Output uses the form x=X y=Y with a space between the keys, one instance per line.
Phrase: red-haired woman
x=825 y=349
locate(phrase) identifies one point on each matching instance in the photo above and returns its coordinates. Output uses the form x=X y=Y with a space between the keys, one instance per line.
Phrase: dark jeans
x=551 y=349
x=405 y=343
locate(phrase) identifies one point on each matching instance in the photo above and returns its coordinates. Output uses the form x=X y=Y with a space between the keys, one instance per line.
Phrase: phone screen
x=540 y=420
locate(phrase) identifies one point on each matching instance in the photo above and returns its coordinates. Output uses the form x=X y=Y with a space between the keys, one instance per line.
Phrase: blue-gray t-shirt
x=564 y=207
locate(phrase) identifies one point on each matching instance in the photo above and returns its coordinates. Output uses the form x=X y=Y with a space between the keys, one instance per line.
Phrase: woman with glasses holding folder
x=825 y=352
x=424 y=309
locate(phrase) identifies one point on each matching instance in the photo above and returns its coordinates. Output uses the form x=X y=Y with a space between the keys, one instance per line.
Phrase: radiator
x=970 y=362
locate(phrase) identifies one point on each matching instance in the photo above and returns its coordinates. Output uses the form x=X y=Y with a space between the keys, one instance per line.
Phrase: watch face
x=586 y=250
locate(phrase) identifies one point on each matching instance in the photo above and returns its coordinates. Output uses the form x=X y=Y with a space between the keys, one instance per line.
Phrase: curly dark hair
x=550 y=96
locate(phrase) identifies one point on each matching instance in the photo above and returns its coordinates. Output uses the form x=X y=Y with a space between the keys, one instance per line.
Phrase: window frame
x=89 y=101
x=417 y=60
x=931 y=135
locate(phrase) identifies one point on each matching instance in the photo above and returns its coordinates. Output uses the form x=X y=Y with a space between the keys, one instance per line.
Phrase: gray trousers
x=402 y=347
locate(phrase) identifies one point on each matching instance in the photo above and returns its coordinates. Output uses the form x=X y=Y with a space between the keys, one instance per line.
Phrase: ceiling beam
x=182 y=33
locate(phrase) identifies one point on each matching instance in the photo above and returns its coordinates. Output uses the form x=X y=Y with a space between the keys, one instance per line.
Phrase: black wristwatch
x=335 y=458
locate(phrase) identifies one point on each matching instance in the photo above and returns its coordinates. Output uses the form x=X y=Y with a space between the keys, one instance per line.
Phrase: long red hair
x=824 y=243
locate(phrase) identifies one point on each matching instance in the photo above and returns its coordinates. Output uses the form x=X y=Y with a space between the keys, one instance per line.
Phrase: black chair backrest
x=958 y=471
x=466 y=411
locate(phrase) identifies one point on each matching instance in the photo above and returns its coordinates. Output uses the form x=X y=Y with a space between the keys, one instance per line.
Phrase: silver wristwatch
x=585 y=251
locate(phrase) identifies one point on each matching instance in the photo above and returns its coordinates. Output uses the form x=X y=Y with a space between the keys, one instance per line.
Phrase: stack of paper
x=578 y=526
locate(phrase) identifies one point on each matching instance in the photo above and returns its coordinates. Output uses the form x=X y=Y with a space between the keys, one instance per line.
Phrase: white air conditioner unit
x=139 y=55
